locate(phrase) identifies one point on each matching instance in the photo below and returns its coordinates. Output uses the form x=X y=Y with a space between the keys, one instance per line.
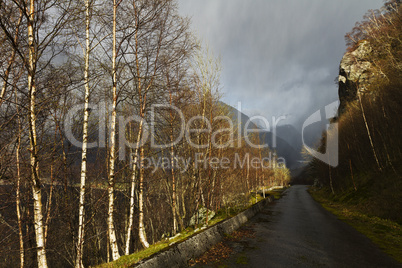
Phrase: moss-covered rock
x=202 y=216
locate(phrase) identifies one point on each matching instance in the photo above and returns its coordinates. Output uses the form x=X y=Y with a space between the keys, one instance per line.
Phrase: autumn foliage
x=369 y=170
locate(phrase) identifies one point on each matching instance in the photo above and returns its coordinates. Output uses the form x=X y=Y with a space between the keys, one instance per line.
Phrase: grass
x=386 y=234
x=277 y=194
x=129 y=260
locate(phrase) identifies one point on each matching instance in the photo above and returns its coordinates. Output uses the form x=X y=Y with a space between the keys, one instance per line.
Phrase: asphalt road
x=295 y=231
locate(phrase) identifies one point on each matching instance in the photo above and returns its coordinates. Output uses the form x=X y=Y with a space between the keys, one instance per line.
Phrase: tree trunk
x=329 y=171
x=36 y=187
x=17 y=198
x=263 y=175
x=132 y=192
x=368 y=131
x=112 y=154
x=81 y=211
x=351 y=170
x=141 y=227
x=172 y=171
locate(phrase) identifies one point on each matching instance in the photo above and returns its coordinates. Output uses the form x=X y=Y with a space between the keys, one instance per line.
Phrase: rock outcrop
x=355 y=72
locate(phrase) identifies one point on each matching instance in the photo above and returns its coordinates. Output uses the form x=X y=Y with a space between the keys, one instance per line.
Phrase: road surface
x=295 y=231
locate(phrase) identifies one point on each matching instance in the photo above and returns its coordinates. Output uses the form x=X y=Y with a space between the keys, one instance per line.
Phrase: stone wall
x=179 y=254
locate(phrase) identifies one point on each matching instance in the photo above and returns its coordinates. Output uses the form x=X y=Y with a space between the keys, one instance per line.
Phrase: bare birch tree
x=158 y=33
x=112 y=143
x=18 y=191
x=83 y=176
x=36 y=185
x=40 y=42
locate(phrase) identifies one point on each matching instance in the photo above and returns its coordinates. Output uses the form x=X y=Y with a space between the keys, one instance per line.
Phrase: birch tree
x=81 y=212
x=7 y=76
x=112 y=143
x=159 y=37
x=40 y=38
x=36 y=185
x=18 y=191
x=206 y=72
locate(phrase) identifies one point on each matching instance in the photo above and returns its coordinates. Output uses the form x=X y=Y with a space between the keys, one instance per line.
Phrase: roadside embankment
x=179 y=254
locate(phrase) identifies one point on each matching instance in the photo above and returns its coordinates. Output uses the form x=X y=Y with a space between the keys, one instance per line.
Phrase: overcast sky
x=279 y=57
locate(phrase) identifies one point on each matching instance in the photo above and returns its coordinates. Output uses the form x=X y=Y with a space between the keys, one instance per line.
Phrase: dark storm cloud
x=279 y=57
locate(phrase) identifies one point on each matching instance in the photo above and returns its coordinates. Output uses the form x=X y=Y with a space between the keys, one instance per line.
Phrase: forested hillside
x=112 y=133
x=370 y=114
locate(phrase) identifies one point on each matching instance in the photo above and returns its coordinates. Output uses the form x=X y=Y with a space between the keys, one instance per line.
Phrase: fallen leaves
x=223 y=249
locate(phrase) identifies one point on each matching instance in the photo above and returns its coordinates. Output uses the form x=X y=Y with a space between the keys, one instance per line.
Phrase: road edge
x=179 y=254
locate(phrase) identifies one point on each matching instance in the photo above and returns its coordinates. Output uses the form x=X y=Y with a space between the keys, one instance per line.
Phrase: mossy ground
x=242 y=259
x=222 y=214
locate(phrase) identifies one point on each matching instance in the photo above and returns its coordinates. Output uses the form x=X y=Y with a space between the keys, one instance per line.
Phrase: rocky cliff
x=355 y=73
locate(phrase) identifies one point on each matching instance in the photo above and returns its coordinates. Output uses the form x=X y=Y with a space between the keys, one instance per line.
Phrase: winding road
x=296 y=231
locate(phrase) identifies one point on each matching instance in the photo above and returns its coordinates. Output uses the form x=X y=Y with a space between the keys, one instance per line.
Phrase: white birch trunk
x=17 y=201
x=36 y=187
x=141 y=227
x=110 y=221
x=368 y=132
x=81 y=211
x=142 y=102
x=132 y=192
x=18 y=204
x=172 y=170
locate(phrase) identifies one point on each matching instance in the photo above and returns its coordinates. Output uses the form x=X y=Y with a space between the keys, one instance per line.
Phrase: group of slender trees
x=112 y=132
x=369 y=124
